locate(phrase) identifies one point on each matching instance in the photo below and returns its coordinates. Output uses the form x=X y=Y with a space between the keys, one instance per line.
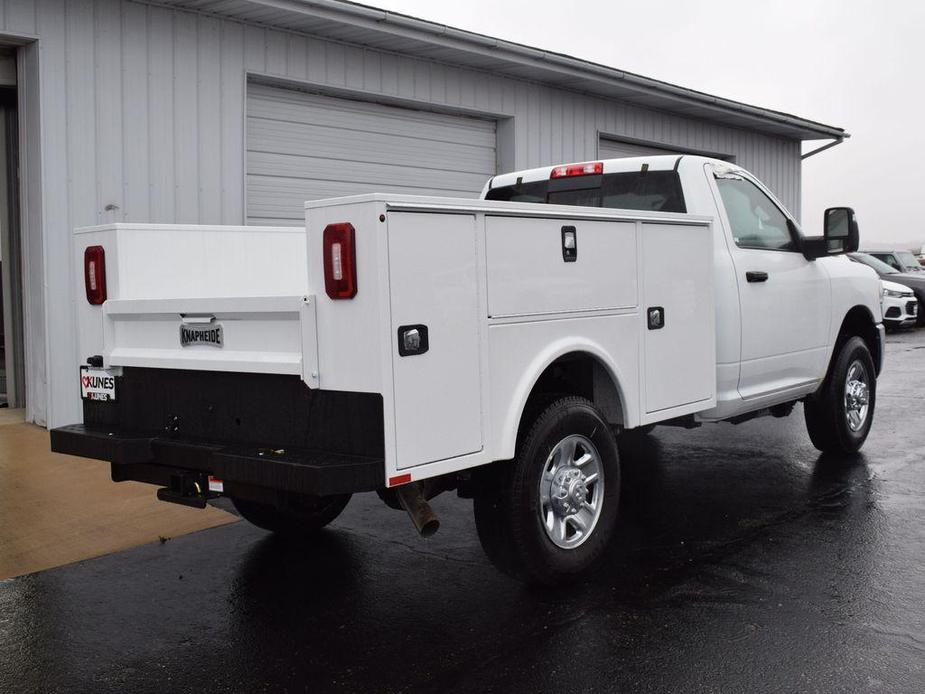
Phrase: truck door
x=784 y=299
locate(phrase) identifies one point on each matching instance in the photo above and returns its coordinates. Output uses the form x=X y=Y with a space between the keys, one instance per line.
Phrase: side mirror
x=841 y=230
x=840 y=235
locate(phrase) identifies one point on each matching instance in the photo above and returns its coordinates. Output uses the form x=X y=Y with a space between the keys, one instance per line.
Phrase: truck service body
x=410 y=345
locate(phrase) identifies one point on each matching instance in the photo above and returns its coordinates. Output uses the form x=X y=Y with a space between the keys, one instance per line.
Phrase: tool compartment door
x=528 y=273
x=679 y=349
x=432 y=275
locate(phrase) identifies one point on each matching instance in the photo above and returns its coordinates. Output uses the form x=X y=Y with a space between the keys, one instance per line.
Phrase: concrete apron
x=57 y=509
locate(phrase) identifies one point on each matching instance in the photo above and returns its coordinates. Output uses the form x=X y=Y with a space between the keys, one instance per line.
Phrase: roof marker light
x=569 y=170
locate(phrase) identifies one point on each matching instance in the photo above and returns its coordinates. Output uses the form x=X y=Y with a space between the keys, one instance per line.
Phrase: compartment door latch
x=656 y=317
x=412 y=340
x=569 y=244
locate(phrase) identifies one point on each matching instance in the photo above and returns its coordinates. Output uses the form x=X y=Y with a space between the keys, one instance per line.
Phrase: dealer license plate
x=97 y=384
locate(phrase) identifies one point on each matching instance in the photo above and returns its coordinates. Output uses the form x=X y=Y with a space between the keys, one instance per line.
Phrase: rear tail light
x=95 y=274
x=569 y=170
x=340 y=262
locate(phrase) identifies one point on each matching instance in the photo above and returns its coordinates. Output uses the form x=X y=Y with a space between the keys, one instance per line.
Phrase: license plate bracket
x=98 y=383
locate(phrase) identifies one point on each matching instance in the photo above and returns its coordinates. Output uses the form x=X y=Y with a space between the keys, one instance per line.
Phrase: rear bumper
x=154 y=459
x=258 y=433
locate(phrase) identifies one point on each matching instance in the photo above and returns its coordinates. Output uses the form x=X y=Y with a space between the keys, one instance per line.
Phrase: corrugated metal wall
x=614 y=149
x=143 y=120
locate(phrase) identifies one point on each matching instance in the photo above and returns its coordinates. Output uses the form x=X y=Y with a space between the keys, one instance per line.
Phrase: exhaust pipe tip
x=411 y=498
x=430 y=528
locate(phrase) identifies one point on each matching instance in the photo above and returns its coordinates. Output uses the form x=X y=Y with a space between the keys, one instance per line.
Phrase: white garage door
x=614 y=149
x=306 y=146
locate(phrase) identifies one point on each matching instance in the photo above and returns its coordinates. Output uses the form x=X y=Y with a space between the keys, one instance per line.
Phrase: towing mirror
x=841 y=230
x=840 y=235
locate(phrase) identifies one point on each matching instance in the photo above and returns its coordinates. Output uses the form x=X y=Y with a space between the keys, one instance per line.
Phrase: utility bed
x=230 y=341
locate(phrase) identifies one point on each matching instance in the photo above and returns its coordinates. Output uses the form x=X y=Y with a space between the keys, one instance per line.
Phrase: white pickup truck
x=413 y=345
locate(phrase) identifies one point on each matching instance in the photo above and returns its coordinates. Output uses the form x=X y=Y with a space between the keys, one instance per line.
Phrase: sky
x=853 y=64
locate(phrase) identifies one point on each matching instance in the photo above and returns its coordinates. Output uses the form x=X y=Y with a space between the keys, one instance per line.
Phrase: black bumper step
x=296 y=470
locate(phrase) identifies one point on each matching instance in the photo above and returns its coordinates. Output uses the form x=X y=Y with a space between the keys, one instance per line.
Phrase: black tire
x=507 y=506
x=826 y=412
x=491 y=522
x=293 y=514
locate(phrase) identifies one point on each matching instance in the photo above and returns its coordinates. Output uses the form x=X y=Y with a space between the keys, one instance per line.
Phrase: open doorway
x=12 y=362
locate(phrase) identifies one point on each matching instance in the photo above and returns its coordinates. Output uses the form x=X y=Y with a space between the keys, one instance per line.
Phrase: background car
x=914 y=280
x=903 y=261
x=900 y=307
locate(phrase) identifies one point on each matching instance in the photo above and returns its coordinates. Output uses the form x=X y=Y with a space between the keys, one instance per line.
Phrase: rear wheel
x=839 y=416
x=548 y=516
x=293 y=514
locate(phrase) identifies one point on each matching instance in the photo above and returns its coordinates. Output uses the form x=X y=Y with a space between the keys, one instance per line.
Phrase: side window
x=755 y=220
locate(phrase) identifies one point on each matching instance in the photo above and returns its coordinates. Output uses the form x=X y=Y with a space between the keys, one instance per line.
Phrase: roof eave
x=547 y=66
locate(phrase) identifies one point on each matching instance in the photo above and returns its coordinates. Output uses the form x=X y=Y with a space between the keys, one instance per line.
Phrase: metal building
x=231 y=111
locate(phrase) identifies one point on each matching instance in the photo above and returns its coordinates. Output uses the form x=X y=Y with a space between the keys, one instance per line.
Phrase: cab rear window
x=656 y=191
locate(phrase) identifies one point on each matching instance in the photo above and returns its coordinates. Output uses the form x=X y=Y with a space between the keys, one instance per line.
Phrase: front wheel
x=548 y=516
x=292 y=514
x=839 y=416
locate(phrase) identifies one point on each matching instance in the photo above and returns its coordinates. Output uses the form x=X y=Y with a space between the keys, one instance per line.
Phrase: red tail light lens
x=95 y=274
x=569 y=170
x=340 y=262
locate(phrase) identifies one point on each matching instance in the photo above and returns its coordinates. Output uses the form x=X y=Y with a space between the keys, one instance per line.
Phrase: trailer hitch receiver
x=187 y=489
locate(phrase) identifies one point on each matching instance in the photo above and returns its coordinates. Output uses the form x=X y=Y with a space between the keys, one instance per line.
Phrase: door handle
x=756 y=276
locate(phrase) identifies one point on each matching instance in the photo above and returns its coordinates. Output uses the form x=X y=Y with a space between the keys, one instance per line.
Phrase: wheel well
x=576 y=373
x=859 y=321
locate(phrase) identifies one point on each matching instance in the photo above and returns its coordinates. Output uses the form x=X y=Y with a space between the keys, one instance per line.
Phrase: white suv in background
x=900 y=307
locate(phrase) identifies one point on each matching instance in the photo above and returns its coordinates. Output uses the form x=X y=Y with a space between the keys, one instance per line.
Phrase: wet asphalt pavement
x=747 y=563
